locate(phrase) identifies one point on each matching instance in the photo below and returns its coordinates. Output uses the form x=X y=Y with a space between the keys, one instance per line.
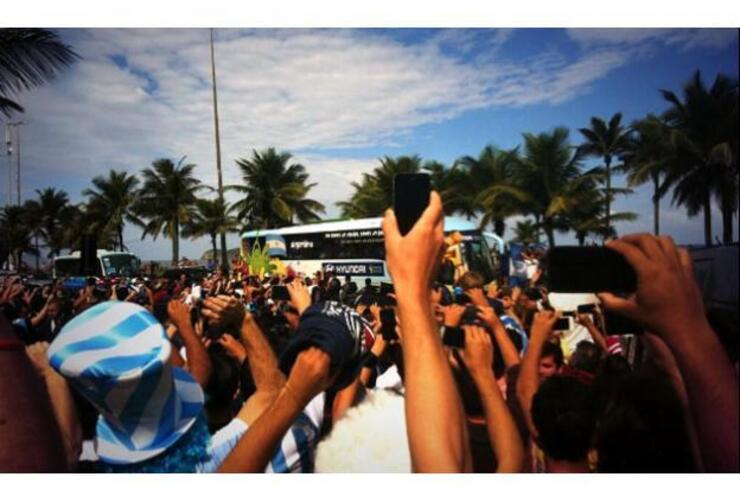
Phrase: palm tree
x=587 y=215
x=53 y=206
x=704 y=136
x=374 y=194
x=493 y=168
x=607 y=142
x=275 y=191
x=647 y=157
x=33 y=219
x=29 y=58
x=526 y=232
x=110 y=203
x=166 y=199
x=547 y=181
x=211 y=218
x=16 y=235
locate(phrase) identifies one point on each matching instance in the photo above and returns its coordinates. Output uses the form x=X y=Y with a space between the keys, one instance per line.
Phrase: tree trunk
x=707 y=220
x=215 y=249
x=608 y=162
x=176 y=241
x=550 y=236
x=499 y=226
x=120 y=238
x=224 y=257
x=581 y=239
x=727 y=215
x=36 y=237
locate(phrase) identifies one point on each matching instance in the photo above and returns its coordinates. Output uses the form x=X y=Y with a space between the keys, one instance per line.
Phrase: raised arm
x=308 y=378
x=62 y=403
x=668 y=303
x=502 y=430
x=435 y=420
x=596 y=334
x=199 y=364
x=509 y=352
x=529 y=377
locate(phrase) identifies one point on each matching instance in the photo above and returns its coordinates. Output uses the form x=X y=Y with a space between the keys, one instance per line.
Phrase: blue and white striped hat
x=117 y=356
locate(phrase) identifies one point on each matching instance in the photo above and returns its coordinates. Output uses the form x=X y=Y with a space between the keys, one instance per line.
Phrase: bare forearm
x=597 y=336
x=529 y=379
x=711 y=384
x=434 y=415
x=509 y=352
x=198 y=361
x=65 y=414
x=502 y=430
x=262 y=361
x=255 y=449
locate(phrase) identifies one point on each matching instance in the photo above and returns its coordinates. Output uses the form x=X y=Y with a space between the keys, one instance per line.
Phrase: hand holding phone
x=589 y=270
x=410 y=199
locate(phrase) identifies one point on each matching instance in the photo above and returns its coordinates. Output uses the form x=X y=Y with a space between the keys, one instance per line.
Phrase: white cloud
x=308 y=91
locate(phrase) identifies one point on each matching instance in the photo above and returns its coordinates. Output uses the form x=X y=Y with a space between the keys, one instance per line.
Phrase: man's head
x=551 y=360
x=505 y=296
x=52 y=310
x=562 y=416
x=471 y=280
x=368 y=282
x=529 y=298
x=586 y=357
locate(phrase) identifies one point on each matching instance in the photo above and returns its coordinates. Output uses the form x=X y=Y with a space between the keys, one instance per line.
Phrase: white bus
x=109 y=264
x=355 y=247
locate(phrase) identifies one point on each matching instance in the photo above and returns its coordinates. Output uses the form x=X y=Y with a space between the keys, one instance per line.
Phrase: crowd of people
x=292 y=373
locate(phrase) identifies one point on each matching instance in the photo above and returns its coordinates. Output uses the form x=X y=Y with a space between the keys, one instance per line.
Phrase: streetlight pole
x=9 y=127
x=218 y=148
x=9 y=153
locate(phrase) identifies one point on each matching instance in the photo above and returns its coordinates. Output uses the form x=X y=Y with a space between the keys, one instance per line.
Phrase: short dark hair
x=562 y=416
x=586 y=357
x=554 y=350
x=471 y=280
x=643 y=428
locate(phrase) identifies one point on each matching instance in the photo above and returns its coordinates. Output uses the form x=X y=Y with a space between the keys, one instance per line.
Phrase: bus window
x=478 y=257
x=120 y=265
x=66 y=267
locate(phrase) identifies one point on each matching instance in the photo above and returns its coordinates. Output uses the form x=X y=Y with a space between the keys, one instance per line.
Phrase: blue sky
x=340 y=99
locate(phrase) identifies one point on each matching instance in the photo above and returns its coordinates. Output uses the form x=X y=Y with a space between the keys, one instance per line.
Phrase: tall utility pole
x=9 y=128
x=218 y=149
x=9 y=153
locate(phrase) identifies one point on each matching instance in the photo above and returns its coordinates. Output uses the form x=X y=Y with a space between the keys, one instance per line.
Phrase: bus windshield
x=120 y=265
x=477 y=255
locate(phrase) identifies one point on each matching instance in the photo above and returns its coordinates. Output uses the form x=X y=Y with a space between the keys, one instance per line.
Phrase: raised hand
x=37 y=353
x=233 y=347
x=478 y=352
x=178 y=313
x=413 y=259
x=488 y=315
x=667 y=298
x=309 y=375
x=543 y=323
x=299 y=296
x=224 y=310
x=453 y=314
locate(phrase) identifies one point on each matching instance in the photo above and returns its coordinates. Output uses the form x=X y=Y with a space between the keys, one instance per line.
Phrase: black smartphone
x=588 y=270
x=454 y=337
x=562 y=324
x=280 y=292
x=386 y=288
x=586 y=308
x=616 y=324
x=388 y=324
x=569 y=314
x=410 y=199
